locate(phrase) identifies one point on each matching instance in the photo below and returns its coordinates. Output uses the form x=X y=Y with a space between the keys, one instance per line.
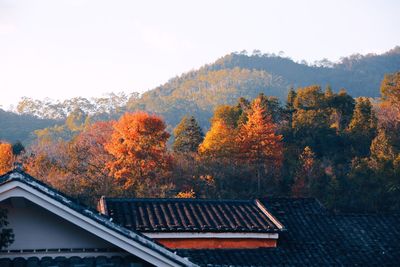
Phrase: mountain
x=15 y=127
x=240 y=75
x=198 y=92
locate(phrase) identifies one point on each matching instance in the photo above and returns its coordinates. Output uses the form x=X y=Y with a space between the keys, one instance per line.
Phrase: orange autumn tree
x=6 y=157
x=260 y=146
x=140 y=157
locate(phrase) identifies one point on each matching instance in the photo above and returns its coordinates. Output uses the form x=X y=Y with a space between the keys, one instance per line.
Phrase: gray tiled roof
x=189 y=215
x=315 y=237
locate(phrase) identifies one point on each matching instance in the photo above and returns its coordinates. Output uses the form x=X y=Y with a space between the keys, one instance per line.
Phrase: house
x=52 y=229
x=51 y=226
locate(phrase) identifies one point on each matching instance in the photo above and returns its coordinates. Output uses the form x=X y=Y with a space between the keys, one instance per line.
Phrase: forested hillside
x=242 y=75
x=342 y=150
x=15 y=127
x=200 y=91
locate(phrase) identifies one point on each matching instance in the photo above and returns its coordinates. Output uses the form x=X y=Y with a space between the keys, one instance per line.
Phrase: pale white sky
x=61 y=49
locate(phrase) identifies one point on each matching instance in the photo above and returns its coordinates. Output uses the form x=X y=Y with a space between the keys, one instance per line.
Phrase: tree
x=390 y=89
x=389 y=121
x=139 y=147
x=342 y=107
x=6 y=157
x=381 y=148
x=310 y=97
x=229 y=115
x=47 y=160
x=259 y=144
x=89 y=178
x=289 y=107
x=76 y=120
x=17 y=148
x=188 y=135
x=220 y=141
x=309 y=178
x=304 y=174
x=271 y=106
x=362 y=127
x=389 y=109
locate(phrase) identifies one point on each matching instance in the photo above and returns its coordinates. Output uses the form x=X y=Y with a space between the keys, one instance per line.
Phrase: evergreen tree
x=289 y=110
x=328 y=92
x=362 y=127
x=271 y=106
x=228 y=115
x=290 y=99
x=381 y=148
x=343 y=105
x=188 y=135
x=304 y=173
x=17 y=148
x=390 y=89
x=310 y=97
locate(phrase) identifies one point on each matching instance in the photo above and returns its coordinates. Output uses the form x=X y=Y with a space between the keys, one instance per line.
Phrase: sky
x=62 y=49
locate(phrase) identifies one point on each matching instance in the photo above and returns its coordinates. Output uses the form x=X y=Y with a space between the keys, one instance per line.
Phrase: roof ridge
x=26 y=176
x=179 y=200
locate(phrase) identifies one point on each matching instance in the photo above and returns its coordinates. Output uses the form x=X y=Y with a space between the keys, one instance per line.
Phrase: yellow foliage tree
x=220 y=141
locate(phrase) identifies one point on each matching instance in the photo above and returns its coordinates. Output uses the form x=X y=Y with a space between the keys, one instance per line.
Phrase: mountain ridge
x=198 y=92
x=241 y=75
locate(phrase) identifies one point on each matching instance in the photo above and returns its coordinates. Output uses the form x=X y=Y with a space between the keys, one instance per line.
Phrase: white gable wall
x=37 y=228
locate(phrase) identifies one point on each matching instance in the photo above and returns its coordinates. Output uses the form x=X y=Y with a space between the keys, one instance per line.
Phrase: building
x=52 y=229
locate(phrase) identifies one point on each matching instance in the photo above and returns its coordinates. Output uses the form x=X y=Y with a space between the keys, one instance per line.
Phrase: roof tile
x=316 y=237
x=189 y=215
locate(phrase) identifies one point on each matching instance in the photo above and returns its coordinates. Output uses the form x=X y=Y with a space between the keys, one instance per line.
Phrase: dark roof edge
x=178 y=200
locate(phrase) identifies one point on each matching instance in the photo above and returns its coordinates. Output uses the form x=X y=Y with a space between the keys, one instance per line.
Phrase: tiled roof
x=21 y=176
x=315 y=237
x=189 y=215
x=73 y=262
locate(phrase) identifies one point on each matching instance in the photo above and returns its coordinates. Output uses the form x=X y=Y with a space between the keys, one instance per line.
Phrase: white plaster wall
x=36 y=228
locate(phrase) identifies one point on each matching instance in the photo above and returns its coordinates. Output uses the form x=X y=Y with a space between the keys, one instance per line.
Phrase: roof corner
x=277 y=223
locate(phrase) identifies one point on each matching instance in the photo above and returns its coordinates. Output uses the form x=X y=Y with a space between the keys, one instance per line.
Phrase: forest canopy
x=320 y=143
